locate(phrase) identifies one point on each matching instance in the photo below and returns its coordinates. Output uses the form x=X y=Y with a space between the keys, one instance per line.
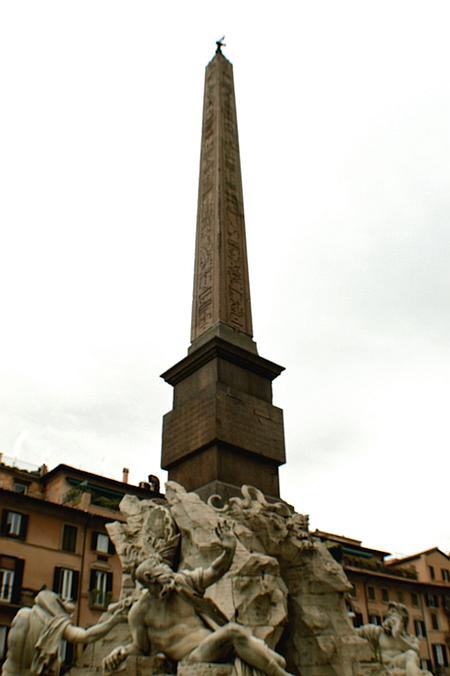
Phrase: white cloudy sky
x=344 y=112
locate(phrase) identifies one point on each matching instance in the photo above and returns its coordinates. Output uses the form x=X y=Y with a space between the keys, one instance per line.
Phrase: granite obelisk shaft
x=221 y=298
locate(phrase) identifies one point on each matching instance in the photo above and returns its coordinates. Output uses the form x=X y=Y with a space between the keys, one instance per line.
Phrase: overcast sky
x=343 y=112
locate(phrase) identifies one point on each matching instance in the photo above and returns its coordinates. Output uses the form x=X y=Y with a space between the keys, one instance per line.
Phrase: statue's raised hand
x=224 y=531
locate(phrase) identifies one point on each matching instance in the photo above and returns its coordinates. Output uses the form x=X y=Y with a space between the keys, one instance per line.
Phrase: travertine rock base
x=376 y=669
x=319 y=637
x=204 y=669
x=135 y=666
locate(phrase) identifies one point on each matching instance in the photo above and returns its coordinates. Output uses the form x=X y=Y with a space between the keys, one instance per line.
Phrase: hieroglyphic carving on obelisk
x=221 y=295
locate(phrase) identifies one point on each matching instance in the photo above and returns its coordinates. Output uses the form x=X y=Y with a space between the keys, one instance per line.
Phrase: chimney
x=125 y=473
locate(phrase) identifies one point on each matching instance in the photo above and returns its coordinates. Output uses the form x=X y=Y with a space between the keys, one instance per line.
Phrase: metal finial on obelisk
x=220 y=43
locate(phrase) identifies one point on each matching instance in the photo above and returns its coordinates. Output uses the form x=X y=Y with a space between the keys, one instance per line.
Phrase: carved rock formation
x=319 y=639
x=252 y=592
x=283 y=584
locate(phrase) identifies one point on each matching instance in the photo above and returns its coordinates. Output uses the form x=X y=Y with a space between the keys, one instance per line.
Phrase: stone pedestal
x=204 y=669
x=133 y=666
x=223 y=430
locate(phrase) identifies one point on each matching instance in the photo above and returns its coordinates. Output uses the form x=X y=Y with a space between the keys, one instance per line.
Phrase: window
x=419 y=628
x=65 y=583
x=385 y=595
x=358 y=620
x=400 y=596
x=65 y=653
x=3 y=638
x=14 y=524
x=431 y=571
x=371 y=593
x=11 y=575
x=415 y=599
x=375 y=619
x=434 y=621
x=20 y=487
x=440 y=655
x=432 y=601
x=425 y=664
x=6 y=584
x=100 y=588
x=353 y=591
x=445 y=574
x=69 y=538
x=102 y=543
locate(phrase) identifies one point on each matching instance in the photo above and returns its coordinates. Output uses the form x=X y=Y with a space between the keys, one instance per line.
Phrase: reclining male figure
x=173 y=617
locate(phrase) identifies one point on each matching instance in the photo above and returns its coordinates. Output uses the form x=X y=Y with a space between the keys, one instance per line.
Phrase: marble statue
x=168 y=549
x=391 y=644
x=237 y=587
x=36 y=633
x=172 y=616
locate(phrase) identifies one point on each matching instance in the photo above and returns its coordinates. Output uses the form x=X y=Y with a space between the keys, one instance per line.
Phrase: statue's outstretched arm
x=222 y=564
x=75 y=634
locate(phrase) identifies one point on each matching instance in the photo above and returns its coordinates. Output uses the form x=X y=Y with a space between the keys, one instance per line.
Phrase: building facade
x=420 y=581
x=52 y=535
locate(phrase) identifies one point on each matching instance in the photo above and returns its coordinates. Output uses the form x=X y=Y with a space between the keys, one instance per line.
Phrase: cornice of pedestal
x=218 y=348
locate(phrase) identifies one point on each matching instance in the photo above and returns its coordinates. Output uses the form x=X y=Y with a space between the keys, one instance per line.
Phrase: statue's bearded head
x=156 y=576
x=396 y=620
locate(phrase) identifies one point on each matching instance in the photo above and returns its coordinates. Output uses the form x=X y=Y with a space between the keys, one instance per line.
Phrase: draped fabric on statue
x=50 y=612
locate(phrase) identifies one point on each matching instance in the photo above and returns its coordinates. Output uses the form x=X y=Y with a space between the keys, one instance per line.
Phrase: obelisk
x=223 y=430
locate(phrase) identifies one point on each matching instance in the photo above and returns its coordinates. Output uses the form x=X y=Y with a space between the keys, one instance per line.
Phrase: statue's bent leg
x=409 y=661
x=412 y=663
x=238 y=639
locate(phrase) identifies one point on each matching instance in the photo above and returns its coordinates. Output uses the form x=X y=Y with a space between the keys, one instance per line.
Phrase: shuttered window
x=3 y=637
x=14 y=524
x=440 y=655
x=100 y=542
x=419 y=628
x=6 y=584
x=11 y=575
x=69 y=538
x=65 y=583
x=100 y=588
